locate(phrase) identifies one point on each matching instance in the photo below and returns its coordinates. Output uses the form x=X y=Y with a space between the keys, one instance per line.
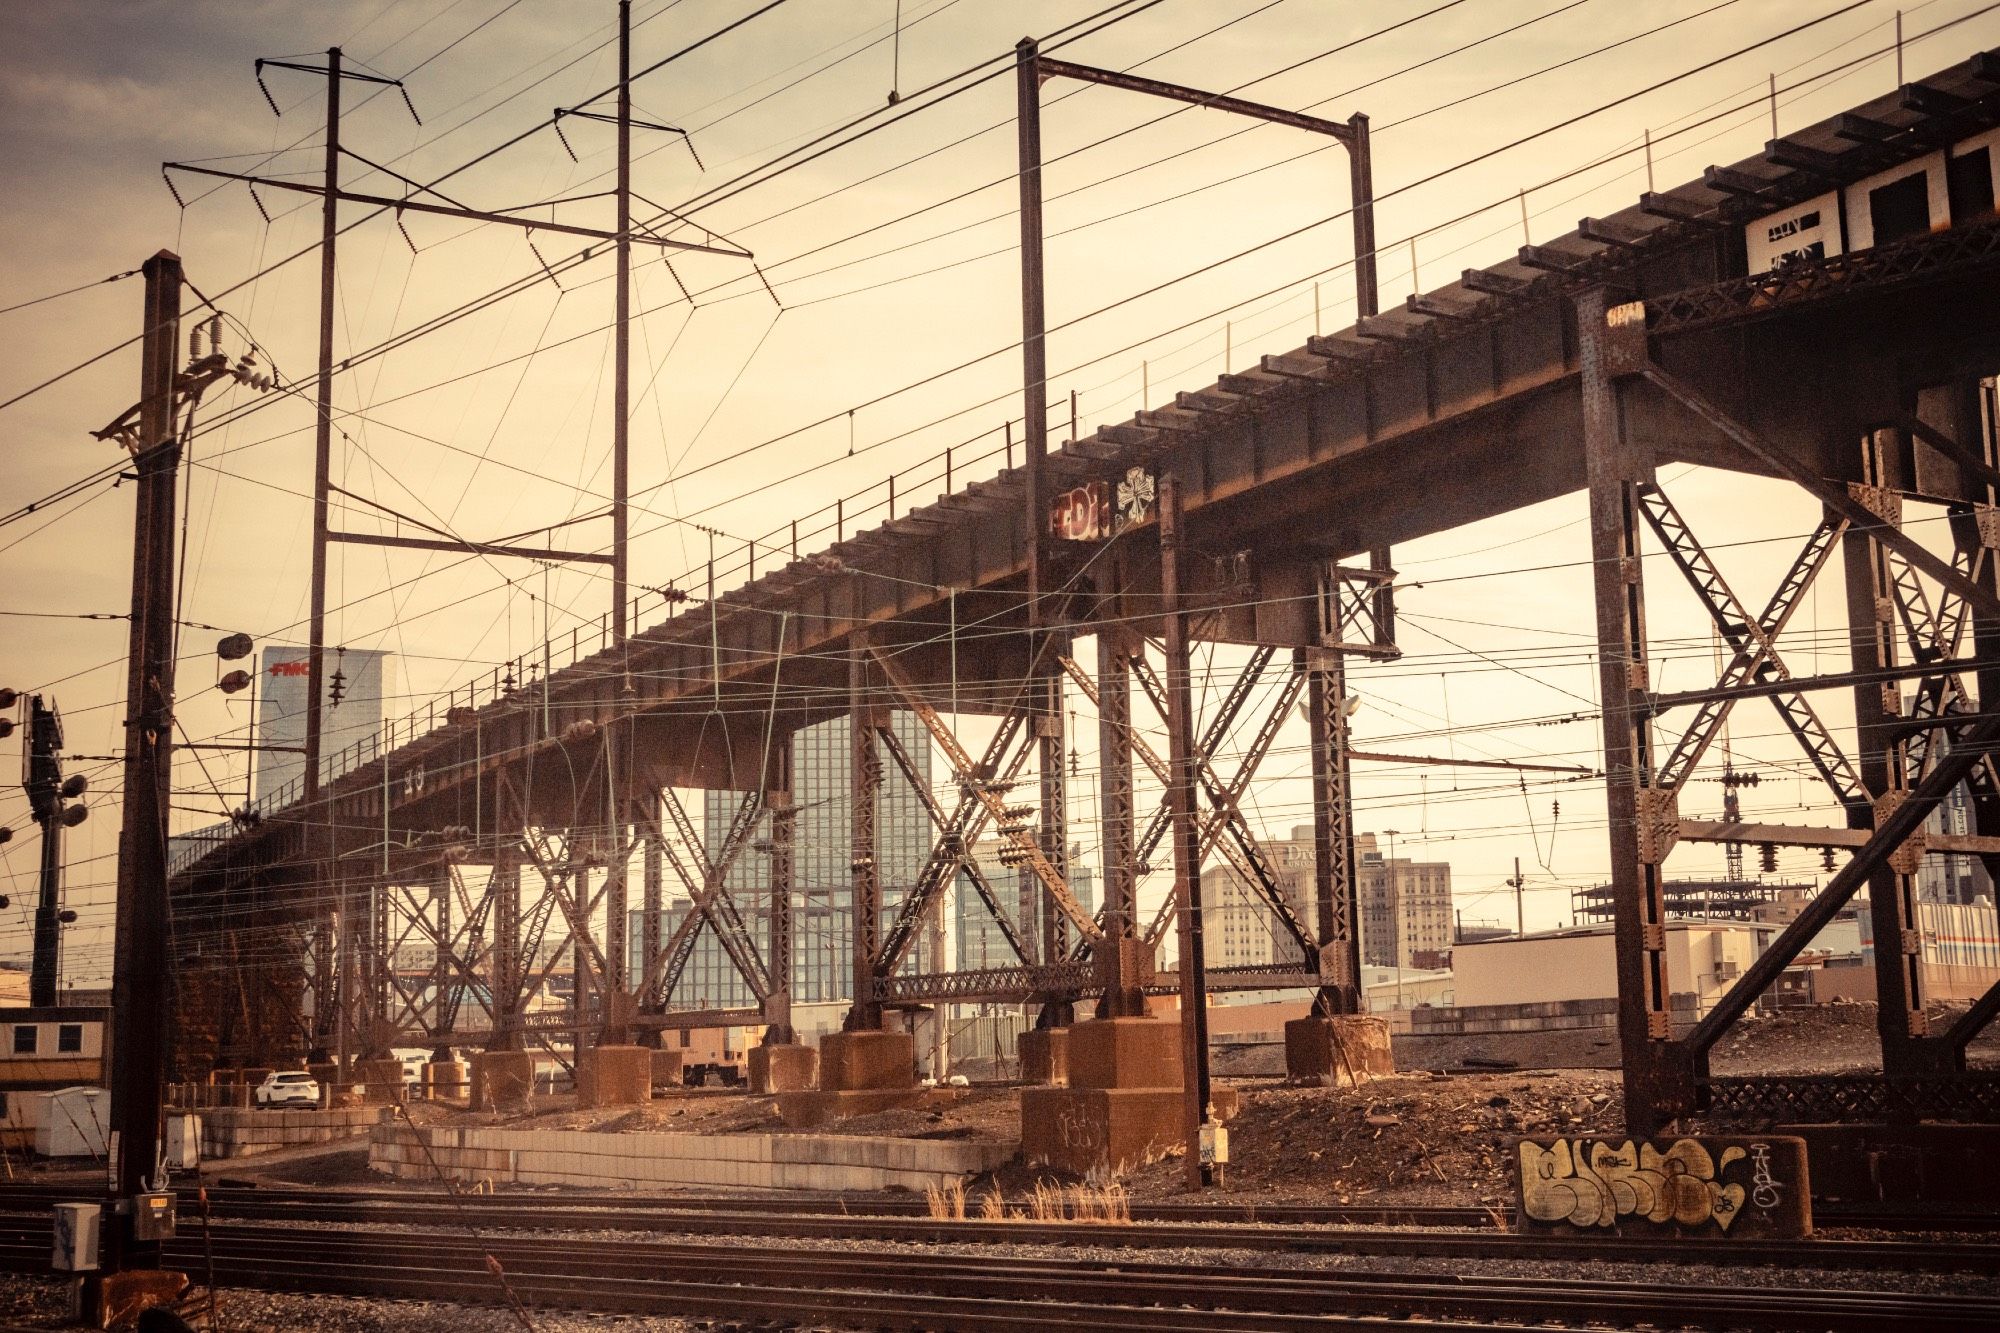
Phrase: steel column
x=1336 y=896
x=783 y=826
x=1181 y=762
x=864 y=786
x=1616 y=466
x=323 y=433
x=1034 y=342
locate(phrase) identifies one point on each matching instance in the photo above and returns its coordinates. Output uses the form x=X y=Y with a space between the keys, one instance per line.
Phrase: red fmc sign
x=291 y=668
x=1083 y=514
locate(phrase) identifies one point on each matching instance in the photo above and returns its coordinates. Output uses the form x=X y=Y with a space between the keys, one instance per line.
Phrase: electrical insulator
x=234 y=683
x=235 y=647
x=1767 y=857
x=75 y=785
x=6 y=727
x=8 y=698
x=5 y=901
x=74 y=815
x=6 y=834
x=67 y=916
x=338 y=687
x=1826 y=859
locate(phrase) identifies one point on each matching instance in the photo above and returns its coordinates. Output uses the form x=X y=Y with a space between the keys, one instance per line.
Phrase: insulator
x=67 y=916
x=6 y=834
x=5 y=901
x=1767 y=857
x=8 y=698
x=1826 y=859
x=75 y=785
x=338 y=689
x=234 y=647
x=6 y=727
x=233 y=683
x=73 y=815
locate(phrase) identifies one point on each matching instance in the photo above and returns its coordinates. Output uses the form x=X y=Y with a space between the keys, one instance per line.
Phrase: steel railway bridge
x=1855 y=371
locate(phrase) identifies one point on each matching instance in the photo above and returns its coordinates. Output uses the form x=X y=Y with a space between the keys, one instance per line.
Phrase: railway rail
x=228 y=1197
x=903 y=1289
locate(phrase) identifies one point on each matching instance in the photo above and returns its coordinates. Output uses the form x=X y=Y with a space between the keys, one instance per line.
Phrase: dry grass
x=947 y=1204
x=1078 y=1203
x=992 y=1206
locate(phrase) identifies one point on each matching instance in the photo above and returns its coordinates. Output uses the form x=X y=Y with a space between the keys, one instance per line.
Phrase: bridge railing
x=735 y=566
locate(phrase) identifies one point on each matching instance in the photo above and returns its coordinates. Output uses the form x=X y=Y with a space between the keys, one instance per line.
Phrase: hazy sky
x=894 y=259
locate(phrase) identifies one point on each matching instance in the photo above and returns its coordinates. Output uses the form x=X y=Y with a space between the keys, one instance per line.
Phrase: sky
x=1180 y=243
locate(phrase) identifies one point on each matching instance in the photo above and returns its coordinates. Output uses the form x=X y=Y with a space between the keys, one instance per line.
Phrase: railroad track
x=228 y=1198
x=875 y=1289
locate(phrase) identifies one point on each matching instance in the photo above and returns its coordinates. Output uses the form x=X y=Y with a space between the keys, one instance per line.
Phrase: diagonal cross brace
x=1753 y=644
x=1231 y=708
x=1834 y=496
x=948 y=856
x=1051 y=879
x=711 y=901
x=1895 y=829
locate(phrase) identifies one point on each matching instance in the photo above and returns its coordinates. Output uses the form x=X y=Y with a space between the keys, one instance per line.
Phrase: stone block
x=615 y=1076
x=445 y=1079
x=381 y=1081
x=783 y=1068
x=1044 y=1054
x=1125 y=1053
x=1329 y=1051
x=867 y=1061
x=1099 y=1131
x=667 y=1068
x=808 y=1109
x=501 y=1079
x=1709 y=1185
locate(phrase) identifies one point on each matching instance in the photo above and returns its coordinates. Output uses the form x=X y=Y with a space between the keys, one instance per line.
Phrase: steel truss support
x=711 y=903
x=1052 y=812
x=864 y=719
x=1336 y=887
x=1125 y=962
x=783 y=830
x=1657 y=1085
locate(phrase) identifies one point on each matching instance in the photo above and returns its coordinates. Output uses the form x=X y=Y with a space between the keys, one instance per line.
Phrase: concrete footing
x=502 y=1080
x=667 y=1066
x=1706 y=1185
x=1123 y=1105
x=445 y=1080
x=381 y=1081
x=1901 y=1164
x=615 y=1076
x=783 y=1068
x=116 y=1300
x=1337 y=1051
x=860 y=1073
x=1044 y=1055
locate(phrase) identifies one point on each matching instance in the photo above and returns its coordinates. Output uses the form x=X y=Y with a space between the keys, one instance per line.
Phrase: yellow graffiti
x=1560 y=1184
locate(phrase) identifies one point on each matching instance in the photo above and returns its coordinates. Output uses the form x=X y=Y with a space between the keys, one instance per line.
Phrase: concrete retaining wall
x=236 y=1132
x=763 y=1161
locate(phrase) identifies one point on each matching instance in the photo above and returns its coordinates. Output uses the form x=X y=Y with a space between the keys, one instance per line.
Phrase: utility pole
x=139 y=969
x=323 y=431
x=621 y=373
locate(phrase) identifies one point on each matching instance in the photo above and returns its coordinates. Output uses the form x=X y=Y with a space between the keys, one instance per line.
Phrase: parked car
x=288 y=1087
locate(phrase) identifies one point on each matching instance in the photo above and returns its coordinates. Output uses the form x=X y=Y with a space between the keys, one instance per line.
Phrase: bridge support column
x=1336 y=1043
x=779 y=1063
x=864 y=788
x=1642 y=822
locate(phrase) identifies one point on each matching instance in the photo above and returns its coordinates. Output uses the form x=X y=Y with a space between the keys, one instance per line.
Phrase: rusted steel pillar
x=1335 y=892
x=1186 y=829
x=1121 y=954
x=441 y=971
x=865 y=782
x=1892 y=889
x=1642 y=819
x=778 y=951
x=1053 y=811
x=580 y=987
x=505 y=972
x=652 y=888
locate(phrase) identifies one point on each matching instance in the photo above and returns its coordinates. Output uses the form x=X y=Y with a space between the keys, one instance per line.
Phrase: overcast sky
x=894 y=259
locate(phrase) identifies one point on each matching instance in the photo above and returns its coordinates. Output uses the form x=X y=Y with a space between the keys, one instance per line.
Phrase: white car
x=288 y=1087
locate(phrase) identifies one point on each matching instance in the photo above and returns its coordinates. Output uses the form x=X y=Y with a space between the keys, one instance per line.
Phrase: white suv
x=288 y=1087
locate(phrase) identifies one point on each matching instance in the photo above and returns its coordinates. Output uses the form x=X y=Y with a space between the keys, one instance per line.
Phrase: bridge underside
x=506 y=845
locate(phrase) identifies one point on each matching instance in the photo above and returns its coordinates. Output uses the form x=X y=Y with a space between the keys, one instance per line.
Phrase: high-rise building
x=1405 y=907
x=822 y=874
x=366 y=680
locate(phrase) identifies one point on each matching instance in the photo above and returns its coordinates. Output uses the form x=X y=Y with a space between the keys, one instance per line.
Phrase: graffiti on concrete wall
x=1594 y=1183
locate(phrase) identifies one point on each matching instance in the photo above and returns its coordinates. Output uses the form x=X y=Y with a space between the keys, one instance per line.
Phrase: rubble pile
x=1412 y=1139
